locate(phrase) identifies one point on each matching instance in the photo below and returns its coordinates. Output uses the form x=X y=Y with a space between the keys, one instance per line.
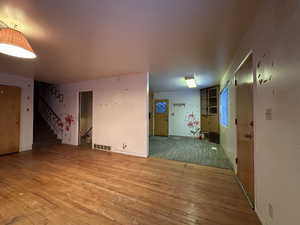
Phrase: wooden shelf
x=210 y=109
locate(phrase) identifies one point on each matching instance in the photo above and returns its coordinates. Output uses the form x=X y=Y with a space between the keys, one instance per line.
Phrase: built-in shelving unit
x=210 y=111
x=213 y=100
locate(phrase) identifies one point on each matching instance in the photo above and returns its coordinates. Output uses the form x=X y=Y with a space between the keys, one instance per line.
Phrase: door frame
x=151 y=113
x=79 y=115
x=154 y=113
x=254 y=62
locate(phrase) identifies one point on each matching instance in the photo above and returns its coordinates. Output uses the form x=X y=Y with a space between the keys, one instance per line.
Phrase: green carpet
x=189 y=150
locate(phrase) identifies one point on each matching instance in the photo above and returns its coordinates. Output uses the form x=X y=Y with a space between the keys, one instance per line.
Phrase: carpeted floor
x=189 y=150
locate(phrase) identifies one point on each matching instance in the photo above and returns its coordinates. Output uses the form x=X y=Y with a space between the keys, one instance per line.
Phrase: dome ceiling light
x=190 y=82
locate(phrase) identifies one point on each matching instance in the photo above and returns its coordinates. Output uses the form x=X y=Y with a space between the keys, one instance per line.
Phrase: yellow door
x=10 y=100
x=161 y=124
x=245 y=143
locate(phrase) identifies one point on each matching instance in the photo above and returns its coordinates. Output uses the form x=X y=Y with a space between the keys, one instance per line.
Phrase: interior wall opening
x=47 y=122
x=184 y=125
x=85 y=118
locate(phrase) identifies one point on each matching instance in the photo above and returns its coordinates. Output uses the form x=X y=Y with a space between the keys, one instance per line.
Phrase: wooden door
x=161 y=124
x=10 y=102
x=179 y=119
x=245 y=143
x=204 y=123
x=213 y=123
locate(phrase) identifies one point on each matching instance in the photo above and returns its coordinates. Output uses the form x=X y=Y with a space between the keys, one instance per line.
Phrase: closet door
x=10 y=104
x=245 y=131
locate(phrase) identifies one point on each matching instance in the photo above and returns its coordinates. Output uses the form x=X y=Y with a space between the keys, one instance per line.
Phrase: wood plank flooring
x=64 y=185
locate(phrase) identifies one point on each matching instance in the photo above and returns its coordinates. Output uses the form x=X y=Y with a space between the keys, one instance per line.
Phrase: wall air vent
x=102 y=147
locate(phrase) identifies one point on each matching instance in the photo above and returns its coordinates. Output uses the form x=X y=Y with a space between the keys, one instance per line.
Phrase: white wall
x=178 y=115
x=274 y=39
x=26 y=122
x=120 y=112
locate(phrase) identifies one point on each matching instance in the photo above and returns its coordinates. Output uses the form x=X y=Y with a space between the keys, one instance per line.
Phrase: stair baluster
x=51 y=118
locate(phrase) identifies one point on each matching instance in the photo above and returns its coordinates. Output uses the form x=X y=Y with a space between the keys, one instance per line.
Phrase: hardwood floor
x=66 y=185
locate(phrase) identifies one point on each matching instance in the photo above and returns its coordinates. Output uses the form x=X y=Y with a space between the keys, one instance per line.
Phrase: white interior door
x=179 y=121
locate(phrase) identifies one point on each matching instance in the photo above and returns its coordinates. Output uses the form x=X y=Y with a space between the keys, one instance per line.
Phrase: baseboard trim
x=27 y=148
x=251 y=204
x=130 y=153
x=259 y=216
x=178 y=136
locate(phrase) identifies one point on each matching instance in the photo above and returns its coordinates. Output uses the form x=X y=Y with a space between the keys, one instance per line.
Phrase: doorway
x=245 y=132
x=179 y=112
x=177 y=128
x=10 y=104
x=161 y=117
x=85 y=118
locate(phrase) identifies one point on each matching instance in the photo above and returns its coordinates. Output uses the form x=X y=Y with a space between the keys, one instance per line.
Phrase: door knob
x=248 y=136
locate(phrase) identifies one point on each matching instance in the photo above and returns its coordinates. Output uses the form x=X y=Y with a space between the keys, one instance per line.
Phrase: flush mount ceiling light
x=190 y=82
x=14 y=43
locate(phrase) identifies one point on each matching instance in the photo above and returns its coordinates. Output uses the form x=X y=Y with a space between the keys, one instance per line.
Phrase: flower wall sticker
x=60 y=124
x=69 y=121
x=265 y=69
x=193 y=124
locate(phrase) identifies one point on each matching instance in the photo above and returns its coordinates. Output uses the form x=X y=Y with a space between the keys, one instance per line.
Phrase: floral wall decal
x=69 y=120
x=265 y=68
x=60 y=124
x=193 y=124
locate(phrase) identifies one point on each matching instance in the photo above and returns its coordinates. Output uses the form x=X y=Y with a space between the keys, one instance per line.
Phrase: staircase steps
x=43 y=134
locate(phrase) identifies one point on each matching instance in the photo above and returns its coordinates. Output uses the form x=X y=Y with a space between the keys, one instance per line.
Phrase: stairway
x=43 y=134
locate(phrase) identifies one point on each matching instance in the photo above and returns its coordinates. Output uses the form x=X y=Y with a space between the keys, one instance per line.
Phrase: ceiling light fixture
x=14 y=43
x=190 y=82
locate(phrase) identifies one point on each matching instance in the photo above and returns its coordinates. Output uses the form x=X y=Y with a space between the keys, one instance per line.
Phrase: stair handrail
x=54 y=91
x=53 y=120
x=87 y=132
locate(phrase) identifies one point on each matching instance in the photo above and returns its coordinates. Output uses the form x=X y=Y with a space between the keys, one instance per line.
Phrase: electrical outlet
x=124 y=146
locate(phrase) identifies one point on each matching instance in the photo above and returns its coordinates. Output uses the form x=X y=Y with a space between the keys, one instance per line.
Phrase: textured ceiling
x=78 y=40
